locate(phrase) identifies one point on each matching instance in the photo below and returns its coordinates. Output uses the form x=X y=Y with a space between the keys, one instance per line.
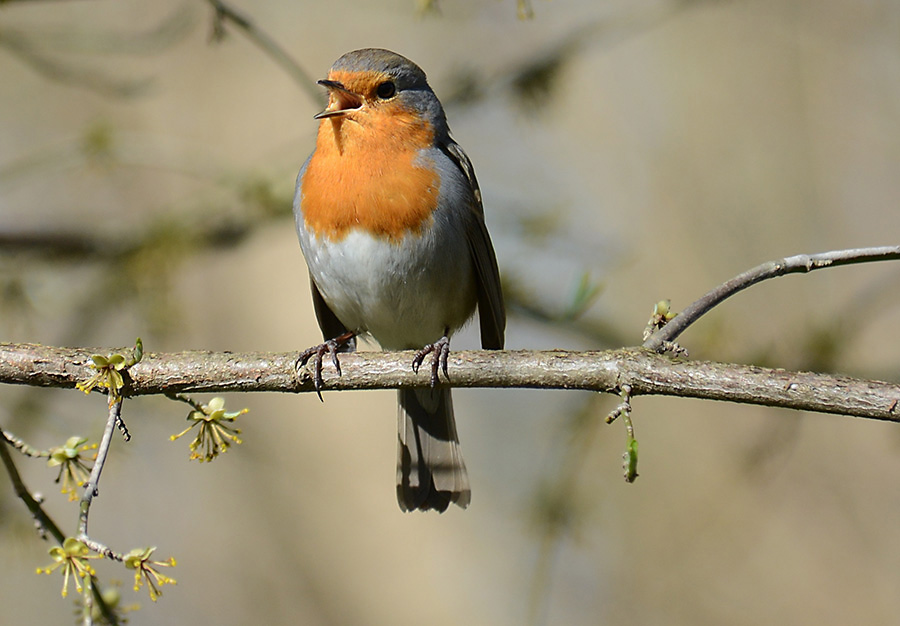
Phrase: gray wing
x=491 y=311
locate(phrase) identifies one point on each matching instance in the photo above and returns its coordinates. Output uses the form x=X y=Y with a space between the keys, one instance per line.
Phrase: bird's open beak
x=340 y=100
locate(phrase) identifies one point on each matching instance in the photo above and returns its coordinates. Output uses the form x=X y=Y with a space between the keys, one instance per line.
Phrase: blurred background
x=628 y=151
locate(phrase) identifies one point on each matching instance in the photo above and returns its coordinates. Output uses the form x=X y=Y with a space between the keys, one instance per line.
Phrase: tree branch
x=646 y=372
x=46 y=524
x=799 y=263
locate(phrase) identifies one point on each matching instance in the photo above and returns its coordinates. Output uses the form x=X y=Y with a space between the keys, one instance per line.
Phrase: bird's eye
x=386 y=90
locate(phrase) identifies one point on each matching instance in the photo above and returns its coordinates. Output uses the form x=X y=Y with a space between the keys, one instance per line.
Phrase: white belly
x=404 y=294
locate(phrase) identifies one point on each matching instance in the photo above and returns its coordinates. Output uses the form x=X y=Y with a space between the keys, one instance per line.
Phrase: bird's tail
x=430 y=470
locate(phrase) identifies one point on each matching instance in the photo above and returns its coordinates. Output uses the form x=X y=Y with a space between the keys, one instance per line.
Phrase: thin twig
x=801 y=263
x=43 y=521
x=22 y=446
x=92 y=486
x=180 y=397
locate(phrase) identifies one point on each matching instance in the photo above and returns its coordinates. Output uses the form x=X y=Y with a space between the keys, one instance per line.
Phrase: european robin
x=391 y=224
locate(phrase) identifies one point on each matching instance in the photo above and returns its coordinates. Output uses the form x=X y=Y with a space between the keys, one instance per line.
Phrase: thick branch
x=646 y=372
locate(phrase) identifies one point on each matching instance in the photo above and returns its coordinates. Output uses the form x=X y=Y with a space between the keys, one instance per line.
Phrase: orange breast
x=364 y=175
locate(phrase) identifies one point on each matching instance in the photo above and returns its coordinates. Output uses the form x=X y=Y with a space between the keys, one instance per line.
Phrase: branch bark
x=646 y=372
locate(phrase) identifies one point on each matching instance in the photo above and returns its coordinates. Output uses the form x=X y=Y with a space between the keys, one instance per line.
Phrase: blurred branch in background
x=199 y=231
x=139 y=265
x=41 y=51
x=531 y=83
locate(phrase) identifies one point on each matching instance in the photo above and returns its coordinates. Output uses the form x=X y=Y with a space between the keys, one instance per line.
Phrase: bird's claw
x=317 y=354
x=440 y=354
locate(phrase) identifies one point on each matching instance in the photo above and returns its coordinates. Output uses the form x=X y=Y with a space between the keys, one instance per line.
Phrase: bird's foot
x=317 y=354
x=440 y=353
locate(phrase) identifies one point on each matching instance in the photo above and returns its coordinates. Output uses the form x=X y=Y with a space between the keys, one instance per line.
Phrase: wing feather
x=491 y=311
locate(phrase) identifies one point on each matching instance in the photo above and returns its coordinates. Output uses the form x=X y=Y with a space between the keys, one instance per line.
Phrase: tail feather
x=430 y=470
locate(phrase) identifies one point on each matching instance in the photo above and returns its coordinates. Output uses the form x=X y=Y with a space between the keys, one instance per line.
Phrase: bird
x=391 y=224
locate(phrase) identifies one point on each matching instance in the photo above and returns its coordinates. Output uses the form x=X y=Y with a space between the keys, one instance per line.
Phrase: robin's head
x=368 y=83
